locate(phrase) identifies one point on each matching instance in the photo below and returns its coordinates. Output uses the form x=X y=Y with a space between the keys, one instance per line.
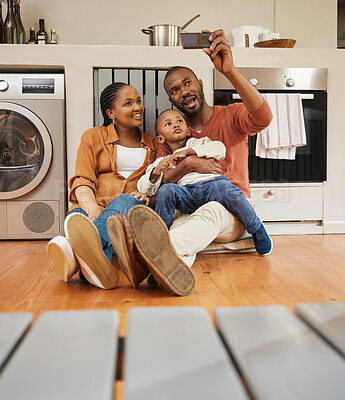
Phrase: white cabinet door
x=288 y=203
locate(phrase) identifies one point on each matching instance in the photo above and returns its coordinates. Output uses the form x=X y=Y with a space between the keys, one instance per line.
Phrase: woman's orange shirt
x=96 y=165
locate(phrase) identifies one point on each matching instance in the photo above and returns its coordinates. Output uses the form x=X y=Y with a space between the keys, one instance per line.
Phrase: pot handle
x=147 y=31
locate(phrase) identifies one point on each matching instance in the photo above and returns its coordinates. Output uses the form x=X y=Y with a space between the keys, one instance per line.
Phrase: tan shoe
x=61 y=252
x=130 y=260
x=152 y=240
x=84 y=238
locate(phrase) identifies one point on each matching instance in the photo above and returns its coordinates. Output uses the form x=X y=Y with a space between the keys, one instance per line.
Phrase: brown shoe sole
x=124 y=248
x=152 y=239
x=85 y=242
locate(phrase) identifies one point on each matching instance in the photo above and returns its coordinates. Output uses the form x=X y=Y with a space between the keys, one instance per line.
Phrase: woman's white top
x=129 y=159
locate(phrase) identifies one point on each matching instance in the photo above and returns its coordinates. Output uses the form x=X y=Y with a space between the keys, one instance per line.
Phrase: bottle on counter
x=21 y=29
x=10 y=25
x=53 y=39
x=42 y=36
x=1 y=25
x=32 y=39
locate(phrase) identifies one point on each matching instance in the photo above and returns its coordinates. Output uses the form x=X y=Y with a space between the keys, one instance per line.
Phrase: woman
x=110 y=160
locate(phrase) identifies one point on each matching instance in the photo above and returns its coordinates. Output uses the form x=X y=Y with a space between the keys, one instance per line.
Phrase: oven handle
x=304 y=96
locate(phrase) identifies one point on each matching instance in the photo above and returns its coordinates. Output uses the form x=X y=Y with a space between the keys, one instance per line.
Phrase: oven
x=309 y=164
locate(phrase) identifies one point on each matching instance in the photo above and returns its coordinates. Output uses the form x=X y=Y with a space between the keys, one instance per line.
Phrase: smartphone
x=195 y=40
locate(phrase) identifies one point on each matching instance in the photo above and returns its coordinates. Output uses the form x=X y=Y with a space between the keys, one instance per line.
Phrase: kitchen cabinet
x=290 y=202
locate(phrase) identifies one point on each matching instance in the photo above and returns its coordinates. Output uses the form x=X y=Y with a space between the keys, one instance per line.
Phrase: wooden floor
x=301 y=268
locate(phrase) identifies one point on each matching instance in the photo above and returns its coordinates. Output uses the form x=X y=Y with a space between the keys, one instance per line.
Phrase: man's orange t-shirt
x=231 y=125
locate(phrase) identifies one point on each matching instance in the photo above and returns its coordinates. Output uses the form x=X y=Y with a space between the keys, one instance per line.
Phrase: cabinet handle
x=271 y=192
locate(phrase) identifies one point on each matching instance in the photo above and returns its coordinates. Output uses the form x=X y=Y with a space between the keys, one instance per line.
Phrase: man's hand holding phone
x=195 y=40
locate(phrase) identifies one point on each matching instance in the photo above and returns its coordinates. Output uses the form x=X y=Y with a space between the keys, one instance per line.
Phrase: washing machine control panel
x=35 y=86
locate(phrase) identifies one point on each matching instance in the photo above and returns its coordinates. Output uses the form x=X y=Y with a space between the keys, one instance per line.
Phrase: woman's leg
x=91 y=243
x=120 y=205
x=85 y=241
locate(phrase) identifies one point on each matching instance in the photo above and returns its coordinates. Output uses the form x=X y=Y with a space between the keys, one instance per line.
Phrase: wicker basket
x=287 y=43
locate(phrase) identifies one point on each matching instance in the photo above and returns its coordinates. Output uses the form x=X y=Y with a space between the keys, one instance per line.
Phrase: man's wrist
x=231 y=73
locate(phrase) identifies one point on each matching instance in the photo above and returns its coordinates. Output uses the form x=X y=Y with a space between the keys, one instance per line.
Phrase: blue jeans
x=188 y=198
x=120 y=205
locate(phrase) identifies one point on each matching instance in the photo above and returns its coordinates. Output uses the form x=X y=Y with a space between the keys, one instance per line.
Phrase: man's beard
x=200 y=96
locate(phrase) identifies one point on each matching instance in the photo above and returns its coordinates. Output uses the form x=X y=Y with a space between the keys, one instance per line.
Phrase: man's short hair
x=176 y=68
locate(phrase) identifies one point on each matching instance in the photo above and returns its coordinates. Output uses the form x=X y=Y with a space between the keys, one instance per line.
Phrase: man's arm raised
x=221 y=56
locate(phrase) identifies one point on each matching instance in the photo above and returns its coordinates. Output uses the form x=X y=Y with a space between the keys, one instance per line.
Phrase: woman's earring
x=113 y=120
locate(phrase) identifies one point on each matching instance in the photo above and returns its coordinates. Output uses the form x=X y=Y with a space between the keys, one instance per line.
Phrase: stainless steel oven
x=310 y=162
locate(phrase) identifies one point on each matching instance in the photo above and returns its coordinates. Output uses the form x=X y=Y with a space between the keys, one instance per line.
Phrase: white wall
x=311 y=22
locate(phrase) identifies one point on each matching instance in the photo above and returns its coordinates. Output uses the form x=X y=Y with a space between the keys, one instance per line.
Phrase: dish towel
x=286 y=131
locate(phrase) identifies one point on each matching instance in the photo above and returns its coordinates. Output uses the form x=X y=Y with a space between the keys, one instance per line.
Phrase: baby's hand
x=164 y=165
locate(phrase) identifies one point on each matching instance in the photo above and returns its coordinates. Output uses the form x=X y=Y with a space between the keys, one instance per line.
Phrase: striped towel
x=286 y=131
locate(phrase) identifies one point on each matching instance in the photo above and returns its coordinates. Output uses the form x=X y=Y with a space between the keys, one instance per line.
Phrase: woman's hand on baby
x=140 y=196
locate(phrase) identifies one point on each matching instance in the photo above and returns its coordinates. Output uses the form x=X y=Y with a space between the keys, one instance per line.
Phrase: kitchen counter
x=78 y=62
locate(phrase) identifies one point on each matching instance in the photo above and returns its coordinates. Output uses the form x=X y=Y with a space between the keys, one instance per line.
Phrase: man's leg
x=152 y=240
x=210 y=222
x=169 y=255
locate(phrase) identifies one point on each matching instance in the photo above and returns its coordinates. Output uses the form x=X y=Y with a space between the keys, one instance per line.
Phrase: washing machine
x=33 y=193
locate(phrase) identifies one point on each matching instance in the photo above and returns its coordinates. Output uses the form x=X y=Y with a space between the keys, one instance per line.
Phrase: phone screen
x=197 y=40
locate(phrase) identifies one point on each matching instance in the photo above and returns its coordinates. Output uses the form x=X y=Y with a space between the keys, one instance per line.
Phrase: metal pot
x=163 y=35
x=166 y=34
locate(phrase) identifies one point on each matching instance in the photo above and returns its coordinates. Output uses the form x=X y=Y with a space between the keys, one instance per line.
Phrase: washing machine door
x=25 y=150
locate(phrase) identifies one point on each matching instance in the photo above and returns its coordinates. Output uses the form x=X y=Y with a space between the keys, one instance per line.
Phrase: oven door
x=310 y=162
x=25 y=150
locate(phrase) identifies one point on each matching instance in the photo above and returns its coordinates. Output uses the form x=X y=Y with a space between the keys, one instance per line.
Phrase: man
x=231 y=125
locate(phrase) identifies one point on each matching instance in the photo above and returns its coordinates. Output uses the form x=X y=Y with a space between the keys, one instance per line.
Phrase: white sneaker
x=61 y=252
